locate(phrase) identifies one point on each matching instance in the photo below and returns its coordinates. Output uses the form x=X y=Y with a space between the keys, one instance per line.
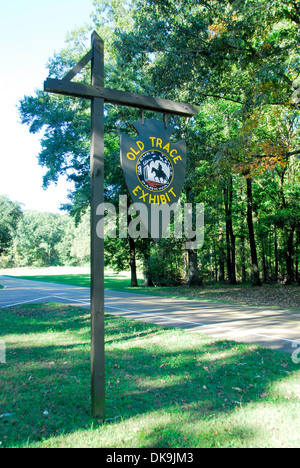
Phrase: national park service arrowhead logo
x=154 y=167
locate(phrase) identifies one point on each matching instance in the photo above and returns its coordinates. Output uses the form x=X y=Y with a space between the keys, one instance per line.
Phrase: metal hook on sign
x=166 y=120
x=143 y=117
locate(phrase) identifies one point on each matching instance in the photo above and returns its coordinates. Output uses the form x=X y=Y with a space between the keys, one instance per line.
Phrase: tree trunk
x=193 y=271
x=193 y=274
x=134 y=281
x=243 y=258
x=264 y=262
x=297 y=256
x=221 y=256
x=221 y=266
x=255 y=270
x=148 y=275
x=289 y=256
x=230 y=237
x=276 y=255
x=132 y=260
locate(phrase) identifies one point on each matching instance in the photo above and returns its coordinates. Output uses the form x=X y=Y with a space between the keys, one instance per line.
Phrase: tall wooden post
x=98 y=95
x=97 y=242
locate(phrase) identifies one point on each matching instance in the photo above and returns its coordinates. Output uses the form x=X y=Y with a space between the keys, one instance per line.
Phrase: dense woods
x=31 y=238
x=239 y=62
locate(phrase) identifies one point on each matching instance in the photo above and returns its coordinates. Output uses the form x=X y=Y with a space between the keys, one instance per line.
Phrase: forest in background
x=32 y=238
x=239 y=62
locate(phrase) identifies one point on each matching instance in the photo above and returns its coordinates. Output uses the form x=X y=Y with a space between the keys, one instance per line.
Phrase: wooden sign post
x=98 y=96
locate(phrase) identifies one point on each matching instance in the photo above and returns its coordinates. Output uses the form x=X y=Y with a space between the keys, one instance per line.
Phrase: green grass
x=112 y=280
x=164 y=387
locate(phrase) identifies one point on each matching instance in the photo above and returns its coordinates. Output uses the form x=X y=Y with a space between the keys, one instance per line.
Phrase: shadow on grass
x=173 y=380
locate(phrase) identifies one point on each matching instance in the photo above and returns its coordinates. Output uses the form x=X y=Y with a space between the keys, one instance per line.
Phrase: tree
x=38 y=238
x=81 y=241
x=239 y=62
x=10 y=214
x=238 y=52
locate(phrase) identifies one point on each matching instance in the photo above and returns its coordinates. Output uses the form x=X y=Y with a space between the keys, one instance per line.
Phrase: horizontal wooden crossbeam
x=123 y=98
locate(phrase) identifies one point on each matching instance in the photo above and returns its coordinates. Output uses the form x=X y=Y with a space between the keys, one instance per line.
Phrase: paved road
x=276 y=329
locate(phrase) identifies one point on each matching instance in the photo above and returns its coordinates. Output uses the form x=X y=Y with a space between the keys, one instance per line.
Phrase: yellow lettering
x=130 y=156
x=152 y=199
x=172 y=191
x=168 y=197
x=158 y=143
x=167 y=147
x=152 y=139
x=144 y=196
x=177 y=158
x=163 y=200
x=135 y=152
x=173 y=151
x=136 y=190
x=140 y=145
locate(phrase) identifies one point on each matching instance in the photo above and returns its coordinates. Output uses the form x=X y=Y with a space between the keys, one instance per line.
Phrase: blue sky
x=30 y=32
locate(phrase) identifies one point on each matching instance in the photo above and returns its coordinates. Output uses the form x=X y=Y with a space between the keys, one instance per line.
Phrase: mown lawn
x=114 y=281
x=164 y=387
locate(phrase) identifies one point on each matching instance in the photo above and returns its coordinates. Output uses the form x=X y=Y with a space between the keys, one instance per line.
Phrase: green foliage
x=81 y=242
x=10 y=214
x=37 y=238
x=31 y=238
x=239 y=61
x=165 y=263
x=117 y=254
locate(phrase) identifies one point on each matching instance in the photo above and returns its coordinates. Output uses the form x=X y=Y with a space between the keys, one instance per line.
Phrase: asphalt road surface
x=273 y=328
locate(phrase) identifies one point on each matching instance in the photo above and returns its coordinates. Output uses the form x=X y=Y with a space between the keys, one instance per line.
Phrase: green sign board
x=154 y=167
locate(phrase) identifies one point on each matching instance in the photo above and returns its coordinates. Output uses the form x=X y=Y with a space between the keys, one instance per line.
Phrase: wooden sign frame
x=98 y=94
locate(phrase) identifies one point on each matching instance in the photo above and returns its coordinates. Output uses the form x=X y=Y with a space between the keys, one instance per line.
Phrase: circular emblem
x=155 y=171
